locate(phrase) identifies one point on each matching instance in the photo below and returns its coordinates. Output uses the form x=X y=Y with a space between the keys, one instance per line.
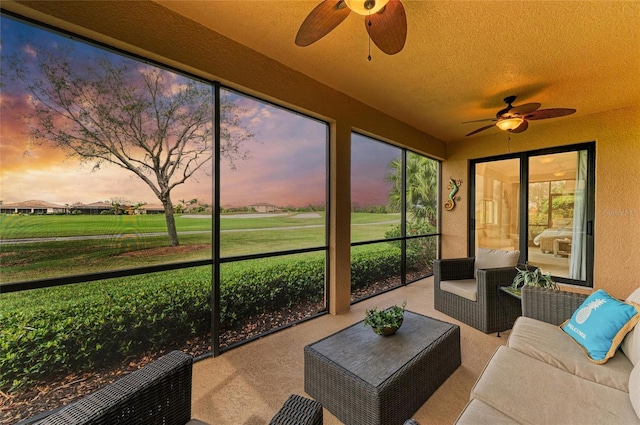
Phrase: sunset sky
x=286 y=166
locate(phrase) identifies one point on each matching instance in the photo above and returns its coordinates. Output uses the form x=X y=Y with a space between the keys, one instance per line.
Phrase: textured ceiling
x=461 y=58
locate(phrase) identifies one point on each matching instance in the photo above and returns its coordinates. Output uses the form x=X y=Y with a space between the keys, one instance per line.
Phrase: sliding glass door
x=557 y=211
x=539 y=202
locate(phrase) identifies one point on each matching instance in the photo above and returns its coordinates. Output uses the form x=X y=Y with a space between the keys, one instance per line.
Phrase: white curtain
x=578 y=264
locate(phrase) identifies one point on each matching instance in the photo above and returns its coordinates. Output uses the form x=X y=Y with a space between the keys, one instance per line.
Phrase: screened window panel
x=261 y=295
x=376 y=189
x=82 y=186
x=273 y=178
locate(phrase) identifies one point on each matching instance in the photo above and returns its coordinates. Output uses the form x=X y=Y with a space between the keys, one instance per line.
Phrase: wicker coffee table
x=364 y=378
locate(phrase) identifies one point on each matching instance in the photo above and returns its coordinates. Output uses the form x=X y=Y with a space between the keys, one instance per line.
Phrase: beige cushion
x=634 y=389
x=631 y=343
x=494 y=258
x=549 y=344
x=479 y=413
x=465 y=288
x=530 y=391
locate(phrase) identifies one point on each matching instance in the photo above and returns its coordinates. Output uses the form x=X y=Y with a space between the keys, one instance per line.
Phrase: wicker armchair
x=550 y=305
x=159 y=393
x=491 y=311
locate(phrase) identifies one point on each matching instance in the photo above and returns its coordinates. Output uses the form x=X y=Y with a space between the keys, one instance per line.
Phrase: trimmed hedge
x=371 y=263
x=51 y=331
x=251 y=287
x=81 y=333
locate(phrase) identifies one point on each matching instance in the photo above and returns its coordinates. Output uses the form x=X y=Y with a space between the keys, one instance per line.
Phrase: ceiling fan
x=385 y=21
x=515 y=118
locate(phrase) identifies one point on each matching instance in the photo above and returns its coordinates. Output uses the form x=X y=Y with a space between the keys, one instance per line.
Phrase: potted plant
x=531 y=277
x=385 y=322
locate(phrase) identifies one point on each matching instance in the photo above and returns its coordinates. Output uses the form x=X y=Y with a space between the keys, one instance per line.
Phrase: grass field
x=127 y=238
x=46 y=226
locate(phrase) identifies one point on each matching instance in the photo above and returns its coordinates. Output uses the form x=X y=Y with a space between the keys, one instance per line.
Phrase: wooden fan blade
x=524 y=109
x=480 y=129
x=322 y=19
x=543 y=114
x=388 y=28
x=482 y=120
x=519 y=129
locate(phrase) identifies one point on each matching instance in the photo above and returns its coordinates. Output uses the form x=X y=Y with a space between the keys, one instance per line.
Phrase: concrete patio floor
x=247 y=385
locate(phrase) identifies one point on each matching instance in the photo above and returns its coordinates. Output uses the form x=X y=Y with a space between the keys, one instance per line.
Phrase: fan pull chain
x=369 y=34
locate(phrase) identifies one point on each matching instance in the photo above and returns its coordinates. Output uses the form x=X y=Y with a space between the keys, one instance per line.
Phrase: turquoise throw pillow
x=600 y=325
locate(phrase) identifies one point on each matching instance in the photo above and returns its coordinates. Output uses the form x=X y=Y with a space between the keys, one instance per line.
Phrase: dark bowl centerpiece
x=385 y=322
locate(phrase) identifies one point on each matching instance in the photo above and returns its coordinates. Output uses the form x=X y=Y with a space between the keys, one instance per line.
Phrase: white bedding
x=555 y=233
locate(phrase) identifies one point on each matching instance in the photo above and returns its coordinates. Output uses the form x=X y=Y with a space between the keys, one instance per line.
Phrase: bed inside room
x=556 y=239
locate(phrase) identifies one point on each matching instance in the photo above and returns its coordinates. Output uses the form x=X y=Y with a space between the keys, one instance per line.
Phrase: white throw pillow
x=631 y=343
x=494 y=258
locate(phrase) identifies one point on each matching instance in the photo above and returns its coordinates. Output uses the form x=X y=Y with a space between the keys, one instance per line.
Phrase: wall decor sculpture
x=454 y=187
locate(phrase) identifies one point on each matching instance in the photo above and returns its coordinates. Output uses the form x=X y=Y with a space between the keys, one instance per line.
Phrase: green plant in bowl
x=532 y=277
x=385 y=322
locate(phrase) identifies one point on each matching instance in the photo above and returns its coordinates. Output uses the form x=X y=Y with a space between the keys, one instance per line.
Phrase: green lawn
x=128 y=238
x=46 y=226
x=229 y=222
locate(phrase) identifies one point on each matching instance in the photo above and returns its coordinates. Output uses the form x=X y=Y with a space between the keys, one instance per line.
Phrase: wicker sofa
x=159 y=393
x=543 y=376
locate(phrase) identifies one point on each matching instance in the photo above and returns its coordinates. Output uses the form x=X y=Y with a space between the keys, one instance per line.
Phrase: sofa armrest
x=453 y=268
x=550 y=305
x=158 y=393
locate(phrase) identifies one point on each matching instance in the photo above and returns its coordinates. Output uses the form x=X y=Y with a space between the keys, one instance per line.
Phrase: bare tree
x=149 y=121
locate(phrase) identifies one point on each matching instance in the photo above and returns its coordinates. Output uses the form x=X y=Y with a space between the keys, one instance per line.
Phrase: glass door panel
x=496 y=204
x=556 y=213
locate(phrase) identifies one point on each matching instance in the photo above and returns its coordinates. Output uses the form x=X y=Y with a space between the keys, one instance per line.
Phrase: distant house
x=264 y=207
x=93 y=208
x=150 y=209
x=32 y=207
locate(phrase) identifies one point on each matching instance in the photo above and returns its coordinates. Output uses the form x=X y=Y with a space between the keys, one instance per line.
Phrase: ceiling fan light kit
x=366 y=7
x=509 y=123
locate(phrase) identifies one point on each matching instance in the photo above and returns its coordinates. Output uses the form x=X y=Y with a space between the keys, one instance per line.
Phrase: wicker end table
x=364 y=378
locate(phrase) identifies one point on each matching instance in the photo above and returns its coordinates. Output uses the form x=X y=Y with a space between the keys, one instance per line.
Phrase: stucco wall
x=617 y=215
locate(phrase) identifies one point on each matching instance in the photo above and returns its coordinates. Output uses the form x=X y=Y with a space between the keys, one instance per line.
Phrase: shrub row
x=372 y=263
x=82 y=333
x=78 y=328
x=255 y=286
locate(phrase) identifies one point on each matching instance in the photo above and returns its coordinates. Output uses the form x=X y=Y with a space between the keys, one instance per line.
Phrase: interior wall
x=617 y=198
